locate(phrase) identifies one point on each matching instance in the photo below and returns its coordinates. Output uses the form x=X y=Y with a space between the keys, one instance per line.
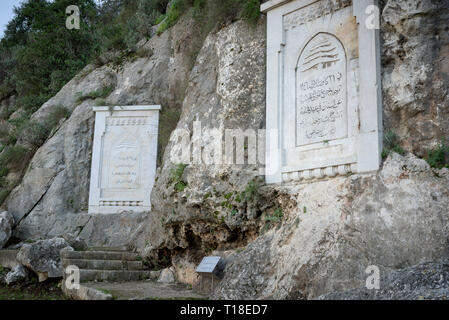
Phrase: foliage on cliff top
x=39 y=55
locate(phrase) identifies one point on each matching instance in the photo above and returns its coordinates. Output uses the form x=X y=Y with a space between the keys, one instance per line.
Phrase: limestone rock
x=114 y=230
x=415 y=76
x=52 y=199
x=17 y=274
x=6 y=225
x=166 y=276
x=335 y=229
x=331 y=230
x=226 y=90
x=43 y=257
x=154 y=275
x=427 y=281
x=76 y=242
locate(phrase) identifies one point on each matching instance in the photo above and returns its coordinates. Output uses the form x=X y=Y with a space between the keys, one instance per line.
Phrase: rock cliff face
x=415 y=72
x=290 y=241
x=335 y=229
x=52 y=198
x=226 y=90
x=427 y=281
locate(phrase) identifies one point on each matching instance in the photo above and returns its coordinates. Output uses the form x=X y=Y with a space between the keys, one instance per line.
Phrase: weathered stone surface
x=85 y=293
x=77 y=243
x=427 y=281
x=331 y=229
x=43 y=257
x=6 y=224
x=52 y=198
x=55 y=188
x=339 y=227
x=8 y=258
x=415 y=74
x=127 y=229
x=226 y=91
x=166 y=276
x=17 y=274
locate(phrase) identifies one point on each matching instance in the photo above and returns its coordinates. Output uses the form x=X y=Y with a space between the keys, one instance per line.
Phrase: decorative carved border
x=319 y=173
x=121 y=203
x=125 y=121
x=313 y=12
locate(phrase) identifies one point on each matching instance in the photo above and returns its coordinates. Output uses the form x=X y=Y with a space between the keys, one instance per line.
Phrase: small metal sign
x=208 y=264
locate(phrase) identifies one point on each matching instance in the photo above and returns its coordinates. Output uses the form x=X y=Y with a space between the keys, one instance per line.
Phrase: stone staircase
x=111 y=264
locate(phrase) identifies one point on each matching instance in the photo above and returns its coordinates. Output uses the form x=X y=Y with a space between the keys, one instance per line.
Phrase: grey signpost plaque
x=208 y=265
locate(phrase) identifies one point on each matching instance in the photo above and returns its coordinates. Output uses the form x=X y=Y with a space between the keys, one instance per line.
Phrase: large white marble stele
x=123 y=159
x=324 y=111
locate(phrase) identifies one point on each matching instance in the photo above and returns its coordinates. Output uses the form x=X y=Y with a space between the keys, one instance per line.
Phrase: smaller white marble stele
x=123 y=159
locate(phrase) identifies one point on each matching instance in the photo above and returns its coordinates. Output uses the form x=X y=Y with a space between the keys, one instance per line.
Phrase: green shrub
x=180 y=186
x=177 y=172
x=391 y=144
x=12 y=157
x=32 y=102
x=99 y=93
x=176 y=176
x=101 y=103
x=437 y=157
x=275 y=217
x=56 y=115
x=34 y=133
x=5 y=134
x=251 y=11
x=173 y=13
x=251 y=191
x=38 y=55
x=159 y=19
x=3 y=194
x=3 y=172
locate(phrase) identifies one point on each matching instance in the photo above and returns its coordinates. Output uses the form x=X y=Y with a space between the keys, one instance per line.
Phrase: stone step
x=113 y=249
x=100 y=255
x=103 y=264
x=8 y=258
x=113 y=275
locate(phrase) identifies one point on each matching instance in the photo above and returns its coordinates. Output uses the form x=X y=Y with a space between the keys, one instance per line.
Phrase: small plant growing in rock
x=437 y=157
x=251 y=191
x=176 y=176
x=177 y=172
x=276 y=217
x=58 y=113
x=273 y=219
x=171 y=17
x=103 y=92
x=391 y=144
x=180 y=186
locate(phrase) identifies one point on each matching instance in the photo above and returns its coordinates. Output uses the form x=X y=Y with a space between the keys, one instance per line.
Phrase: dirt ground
x=31 y=289
x=146 y=290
